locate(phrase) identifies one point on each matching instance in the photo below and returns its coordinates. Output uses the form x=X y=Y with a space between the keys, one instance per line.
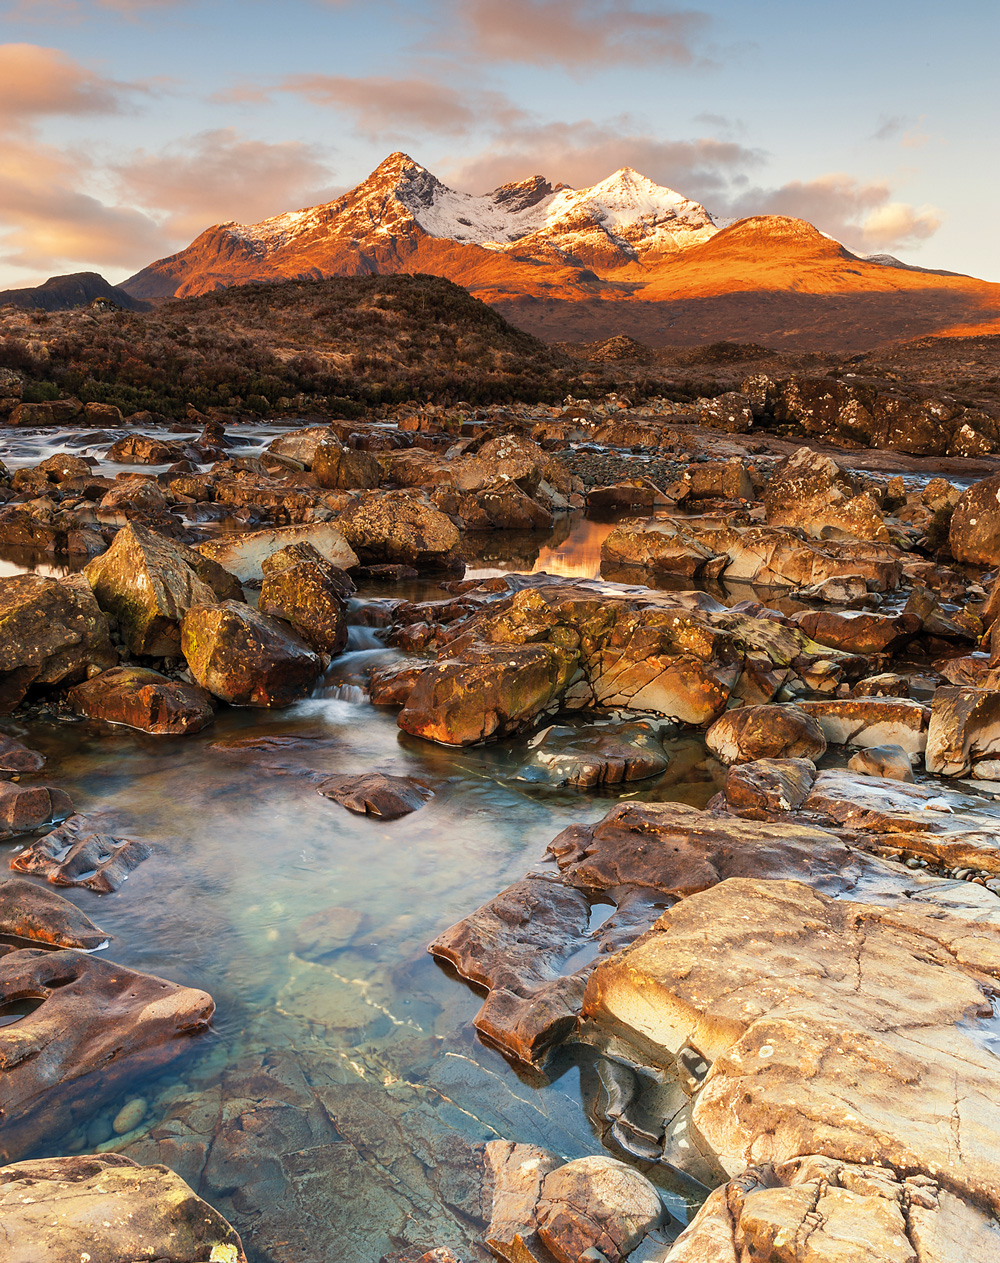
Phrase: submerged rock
x=111 y=1209
x=247 y=658
x=598 y=754
x=143 y=699
x=95 y=1026
x=376 y=794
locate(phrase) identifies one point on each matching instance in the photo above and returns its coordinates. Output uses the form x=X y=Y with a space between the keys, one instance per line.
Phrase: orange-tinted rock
x=307 y=591
x=17 y=759
x=143 y=699
x=974 y=534
x=340 y=468
x=765 y=732
x=32 y=913
x=24 y=807
x=396 y=528
x=860 y=632
x=79 y=853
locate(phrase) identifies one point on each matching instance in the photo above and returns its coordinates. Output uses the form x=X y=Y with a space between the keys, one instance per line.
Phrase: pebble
x=98 y=1131
x=129 y=1116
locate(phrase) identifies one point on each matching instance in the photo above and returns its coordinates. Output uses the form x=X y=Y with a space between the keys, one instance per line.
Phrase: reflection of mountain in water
x=572 y=549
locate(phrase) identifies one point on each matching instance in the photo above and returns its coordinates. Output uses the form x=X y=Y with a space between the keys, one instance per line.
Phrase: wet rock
x=78 y=853
x=842 y=590
x=395 y=527
x=774 y=557
x=307 y=591
x=949 y=623
x=595 y=1204
x=607 y=754
x=499 y=505
x=376 y=794
x=24 y=807
x=889 y=761
x=765 y=732
x=247 y=658
x=659 y=544
x=17 y=759
x=143 y=699
x=111 y=1209
x=871 y=721
x=51 y=632
x=141 y=495
x=844 y=1210
x=964 y=732
x=97 y=1024
x=872 y=989
x=62 y=466
x=887 y=684
x=974 y=534
x=340 y=468
x=392 y=685
x=326 y=932
x=860 y=632
x=243 y=555
x=813 y=492
x=149 y=582
x=31 y=913
x=141 y=449
x=768 y=788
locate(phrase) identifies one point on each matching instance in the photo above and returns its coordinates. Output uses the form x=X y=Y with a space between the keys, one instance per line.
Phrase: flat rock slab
x=832 y=1027
x=32 y=913
x=95 y=1025
x=872 y=721
x=108 y=1209
x=78 y=853
x=376 y=794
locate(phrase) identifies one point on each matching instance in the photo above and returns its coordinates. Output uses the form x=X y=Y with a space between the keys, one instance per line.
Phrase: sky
x=129 y=126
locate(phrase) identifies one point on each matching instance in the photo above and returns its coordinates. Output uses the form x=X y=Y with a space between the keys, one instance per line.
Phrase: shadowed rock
x=33 y=913
x=17 y=759
x=143 y=699
x=24 y=807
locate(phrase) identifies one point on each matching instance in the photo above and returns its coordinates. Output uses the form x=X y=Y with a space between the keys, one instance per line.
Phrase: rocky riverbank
x=772 y=961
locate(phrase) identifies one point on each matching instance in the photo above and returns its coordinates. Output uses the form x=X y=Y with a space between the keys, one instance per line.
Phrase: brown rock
x=812 y=492
x=768 y=788
x=77 y=853
x=24 y=807
x=376 y=794
x=243 y=555
x=765 y=732
x=307 y=591
x=143 y=699
x=860 y=631
x=110 y=1209
x=394 y=527
x=963 y=736
x=35 y=915
x=338 y=467
x=16 y=759
x=98 y=1025
x=890 y=761
x=974 y=534
x=595 y=1204
x=141 y=449
x=872 y=721
x=245 y=657
x=606 y=754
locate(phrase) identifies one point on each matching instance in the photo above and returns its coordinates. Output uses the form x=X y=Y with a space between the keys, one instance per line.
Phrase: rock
x=97 y=1026
x=886 y=684
x=507 y=456
x=341 y=468
x=499 y=505
x=55 y=412
x=51 y=632
x=515 y=1175
x=964 y=730
x=62 y=466
x=659 y=544
x=890 y=761
x=842 y=590
x=606 y=754
x=774 y=557
x=245 y=657
x=326 y=932
x=111 y=1209
x=730 y=412
x=140 y=494
x=846 y=1212
x=856 y=992
x=814 y=493
x=974 y=534
x=24 y=807
x=765 y=732
x=376 y=794
x=141 y=449
x=307 y=591
x=860 y=632
x=16 y=759
x=717 y=480
x=301 y=445
x=872 y=721
x=77 y=853
x=143 y=699
x=243 y=555
x=130 y=1116
x=149 y=582
x=31 y=913
x=768 y=788
x=595 y=1204
x=394 y=527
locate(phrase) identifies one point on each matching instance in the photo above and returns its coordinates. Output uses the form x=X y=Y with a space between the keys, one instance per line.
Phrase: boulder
x=889 y=761
x=300 y=445
x=730 y=412
x=81 y=853
x=141 y=449
x=307 y=591
x=247 y=658
x=880 y=1004
x=860 y=631
x=341 y=468
x=143 y=699
x=765 y=732
x=52 y=631
x=243 y=555
x=595 y=1204
x=31 y=914
x=775 y=557
x=974 y=534
x=108 y=1208
x=501 y=505
x=395 y=527
x=596 y=754
x=872 y=721
x=94 y=1026
x=963 y=736
x=660 y=544
x=62 y=466
x=24 y=807
x=17 y=759
x=149 y=582
x=767 y=789
x=507 y=456
x=376 y=794
x=814 y=493
x=138 y=494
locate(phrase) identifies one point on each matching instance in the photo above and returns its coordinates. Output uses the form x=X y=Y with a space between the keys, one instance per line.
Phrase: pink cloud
x=35 y=81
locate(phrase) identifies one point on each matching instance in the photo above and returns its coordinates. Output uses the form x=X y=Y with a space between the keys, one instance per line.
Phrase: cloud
x=582 y=153
x=219 y=175
x=577 y=34
x=48 y=224
x=863 y=216
x=390 y=106
x=907 y=130
x=35 y=81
